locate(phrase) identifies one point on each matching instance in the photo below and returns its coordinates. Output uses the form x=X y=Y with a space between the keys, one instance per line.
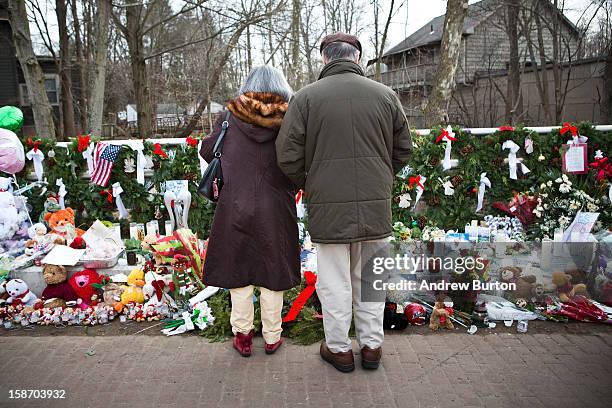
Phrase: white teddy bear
x=157 y=294
x=19 y=293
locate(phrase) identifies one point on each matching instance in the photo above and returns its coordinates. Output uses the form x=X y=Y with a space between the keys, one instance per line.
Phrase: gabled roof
x=431 y=33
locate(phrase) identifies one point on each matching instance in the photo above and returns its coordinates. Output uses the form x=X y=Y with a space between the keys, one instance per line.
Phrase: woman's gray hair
x=266 y=78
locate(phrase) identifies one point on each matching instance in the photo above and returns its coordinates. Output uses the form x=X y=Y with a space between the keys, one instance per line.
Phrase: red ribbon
x=83 y=143
x=446 y=135
x=603 y=168
x=109 y=195
x=298 y=197
x=303 y=297
x=568 y=127
x=159 y=151
x=193 y=142
x=415 y=180
x=158 y=285
x=34 y=143
x=506 y=129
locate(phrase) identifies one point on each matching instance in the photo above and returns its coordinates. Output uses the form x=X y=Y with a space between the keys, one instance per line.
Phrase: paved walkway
x=447 y=370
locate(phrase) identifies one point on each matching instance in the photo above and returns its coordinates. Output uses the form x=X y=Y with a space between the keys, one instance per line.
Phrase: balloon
x=12 y=156
x=11 y=118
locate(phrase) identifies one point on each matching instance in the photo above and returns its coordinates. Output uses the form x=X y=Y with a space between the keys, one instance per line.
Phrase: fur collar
x=259 y=108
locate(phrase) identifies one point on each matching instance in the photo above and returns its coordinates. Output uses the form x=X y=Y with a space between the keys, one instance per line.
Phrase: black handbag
x=212 y=180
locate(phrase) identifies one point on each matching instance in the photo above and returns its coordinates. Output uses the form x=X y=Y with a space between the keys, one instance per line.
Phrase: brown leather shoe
x=343 y=361
x=370 y=358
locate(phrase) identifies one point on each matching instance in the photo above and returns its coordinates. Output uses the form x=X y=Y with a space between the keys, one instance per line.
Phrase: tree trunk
x=436 y=110
x=383 y=42
x=33 y=75
x=78 y=42
x=65 y=71
x=514 y=99
x=608 y=86
x=139 y=71
x=98 y=77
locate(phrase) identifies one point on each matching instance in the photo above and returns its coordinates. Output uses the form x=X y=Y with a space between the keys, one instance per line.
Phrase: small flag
x=104 y=159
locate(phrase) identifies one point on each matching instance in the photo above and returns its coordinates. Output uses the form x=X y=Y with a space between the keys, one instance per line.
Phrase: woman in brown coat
x=254 y=236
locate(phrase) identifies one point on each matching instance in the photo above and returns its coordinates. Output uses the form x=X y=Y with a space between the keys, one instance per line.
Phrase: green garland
x=478 y=154
x=142 y=200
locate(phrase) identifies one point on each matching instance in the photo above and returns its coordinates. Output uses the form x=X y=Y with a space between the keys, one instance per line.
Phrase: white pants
x=338 y=287
x=242 y=315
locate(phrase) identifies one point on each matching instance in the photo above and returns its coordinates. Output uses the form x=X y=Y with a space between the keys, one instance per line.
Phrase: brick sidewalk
x=447 y=370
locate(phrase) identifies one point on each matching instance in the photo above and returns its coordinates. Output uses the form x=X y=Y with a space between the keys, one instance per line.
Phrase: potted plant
x=132 y=248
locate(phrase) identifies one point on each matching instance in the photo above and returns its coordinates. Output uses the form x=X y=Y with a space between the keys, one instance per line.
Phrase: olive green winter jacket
x=342 y=140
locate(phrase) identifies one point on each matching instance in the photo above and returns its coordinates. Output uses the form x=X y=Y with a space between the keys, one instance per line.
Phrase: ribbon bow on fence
x=419 y=182
x=117 y=190
x=513 y=162
x=484 y=183
x=300 y=301
x=449 y=136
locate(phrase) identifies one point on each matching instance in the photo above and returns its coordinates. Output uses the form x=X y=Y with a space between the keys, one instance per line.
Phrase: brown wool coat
x=254 y=236
x=342 y=140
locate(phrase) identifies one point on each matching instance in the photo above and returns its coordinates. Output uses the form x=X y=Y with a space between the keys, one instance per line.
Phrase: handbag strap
x=219 y=143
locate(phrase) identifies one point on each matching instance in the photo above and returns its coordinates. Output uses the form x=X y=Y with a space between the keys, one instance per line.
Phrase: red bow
x=568 y=127
x=298 y=197
x=82 y=143
x=446 y=135
x=159 y=151
x=193 y=142
x=300 y=301
x=415 y=180
x=506 y=129
x=603 y=168
x=34 y=143
x=109 y=195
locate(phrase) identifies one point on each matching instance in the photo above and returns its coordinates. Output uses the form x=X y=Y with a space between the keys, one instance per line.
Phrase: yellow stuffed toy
x=133 y=292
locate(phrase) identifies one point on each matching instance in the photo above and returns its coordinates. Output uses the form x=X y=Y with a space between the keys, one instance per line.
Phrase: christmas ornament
x=129 y=165
x=599 y=154
x=449 y=189
x=404 y=200
x=484 y=183
x=88 y=155
x=513 y=162
x=158 y=214
x=528 y=145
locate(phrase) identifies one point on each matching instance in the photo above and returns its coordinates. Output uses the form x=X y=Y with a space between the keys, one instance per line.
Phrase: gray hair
x=266 y=78
x=340 y=50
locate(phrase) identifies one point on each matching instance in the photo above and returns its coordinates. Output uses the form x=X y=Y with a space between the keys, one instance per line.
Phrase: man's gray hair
x=340 y=50
x=266 y=78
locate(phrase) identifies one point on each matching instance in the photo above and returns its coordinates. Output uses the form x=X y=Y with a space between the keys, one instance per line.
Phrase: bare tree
x=82 y=66
x=33 y=75
x=436 y=110
x=98 y=75
x=66 y=103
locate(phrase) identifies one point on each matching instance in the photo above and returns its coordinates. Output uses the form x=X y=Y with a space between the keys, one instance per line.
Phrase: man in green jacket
x=342 y=140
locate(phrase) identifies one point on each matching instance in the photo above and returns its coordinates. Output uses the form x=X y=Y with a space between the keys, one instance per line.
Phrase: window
x=51 y=86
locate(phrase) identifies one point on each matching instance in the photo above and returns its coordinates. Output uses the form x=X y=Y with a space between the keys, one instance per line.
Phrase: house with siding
x=409 y=67
x=13 y=90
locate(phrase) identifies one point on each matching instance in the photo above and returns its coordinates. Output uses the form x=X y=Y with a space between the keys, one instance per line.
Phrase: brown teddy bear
x=565 y=288
x=526 y=286
x=58 y=290
x=441 y=315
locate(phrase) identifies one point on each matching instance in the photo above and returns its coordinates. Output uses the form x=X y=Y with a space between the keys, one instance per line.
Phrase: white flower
x=563 y=221
x=559 y=180
x=541 y=158
x=565 y=188
x=549 y=183
x=565 y=179
x=592 y=207
x=425 y=236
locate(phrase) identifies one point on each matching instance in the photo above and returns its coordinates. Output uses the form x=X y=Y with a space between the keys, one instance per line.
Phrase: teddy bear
x=19 y=293
x=133 y=292
x=58 y=290
x=526 y=286
x=61 y=223
x=156 y=289
x=441 y=315
x=82 y=283
x=3 y=294
x=565 y=288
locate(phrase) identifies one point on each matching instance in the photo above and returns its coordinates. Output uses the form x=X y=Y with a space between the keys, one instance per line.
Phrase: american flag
x=104 y=158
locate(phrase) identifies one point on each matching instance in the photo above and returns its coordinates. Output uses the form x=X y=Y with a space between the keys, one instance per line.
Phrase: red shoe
x=243 y=342
x=271 y=348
